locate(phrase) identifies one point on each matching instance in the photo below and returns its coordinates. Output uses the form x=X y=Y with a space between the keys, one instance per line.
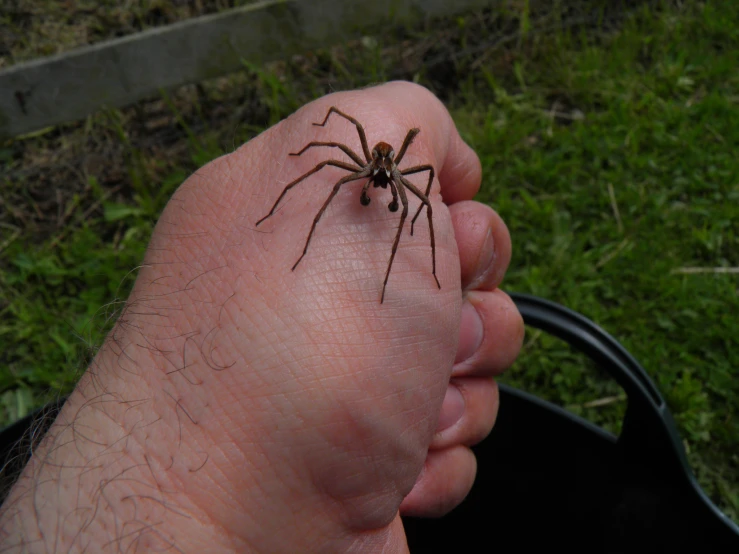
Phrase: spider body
x=382 y=163
x=381 y=167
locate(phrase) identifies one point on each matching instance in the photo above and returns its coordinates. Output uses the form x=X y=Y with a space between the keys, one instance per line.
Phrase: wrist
x=97 y=480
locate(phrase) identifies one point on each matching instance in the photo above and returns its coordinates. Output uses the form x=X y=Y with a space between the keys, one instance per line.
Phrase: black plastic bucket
x=548 y=479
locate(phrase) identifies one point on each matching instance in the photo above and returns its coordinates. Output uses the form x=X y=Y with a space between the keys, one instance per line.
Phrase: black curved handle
x=649 y=436
x=592 y=340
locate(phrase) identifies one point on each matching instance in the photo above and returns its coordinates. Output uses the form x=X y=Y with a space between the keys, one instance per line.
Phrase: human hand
x=240 y=405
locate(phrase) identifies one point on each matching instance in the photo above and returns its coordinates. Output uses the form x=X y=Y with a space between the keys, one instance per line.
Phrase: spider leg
x=406 y=143
x=364 y=199
x=348 y=151
x=393 y=206
x=357 y=124
x=403 y=215
x=419 y=169
x=337 y=186
x=335 y=163
x=410 y=186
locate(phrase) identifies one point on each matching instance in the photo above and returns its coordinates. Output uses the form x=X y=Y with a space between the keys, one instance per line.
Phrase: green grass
x=611 y=158
x=660 y=127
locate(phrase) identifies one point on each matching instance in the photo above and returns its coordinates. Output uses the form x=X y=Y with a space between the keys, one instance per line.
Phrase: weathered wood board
x=74 y=84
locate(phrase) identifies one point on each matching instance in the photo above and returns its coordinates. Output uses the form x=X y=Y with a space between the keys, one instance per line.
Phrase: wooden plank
x=74 y=84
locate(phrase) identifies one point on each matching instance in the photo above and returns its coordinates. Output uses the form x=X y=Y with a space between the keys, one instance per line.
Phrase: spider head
x=382 y=158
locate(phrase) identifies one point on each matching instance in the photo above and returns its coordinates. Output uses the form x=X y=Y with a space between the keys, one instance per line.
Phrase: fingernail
x=470 y=332
x=485 y=262
x=452 y=408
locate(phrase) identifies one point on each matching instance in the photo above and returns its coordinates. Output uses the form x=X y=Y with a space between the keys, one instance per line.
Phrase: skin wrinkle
x=476 y=426
x=283 y=328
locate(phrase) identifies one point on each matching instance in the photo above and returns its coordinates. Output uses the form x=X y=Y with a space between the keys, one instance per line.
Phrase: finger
x=461 y=171
x=458 y=167
x=446 y=479
x=491 y=334
x=484 y=245
x=467 y=414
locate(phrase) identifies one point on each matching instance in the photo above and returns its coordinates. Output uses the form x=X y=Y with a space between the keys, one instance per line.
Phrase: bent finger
x=445 y=481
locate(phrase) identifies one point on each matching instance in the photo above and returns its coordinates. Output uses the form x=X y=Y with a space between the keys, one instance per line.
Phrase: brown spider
x=382 y=169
